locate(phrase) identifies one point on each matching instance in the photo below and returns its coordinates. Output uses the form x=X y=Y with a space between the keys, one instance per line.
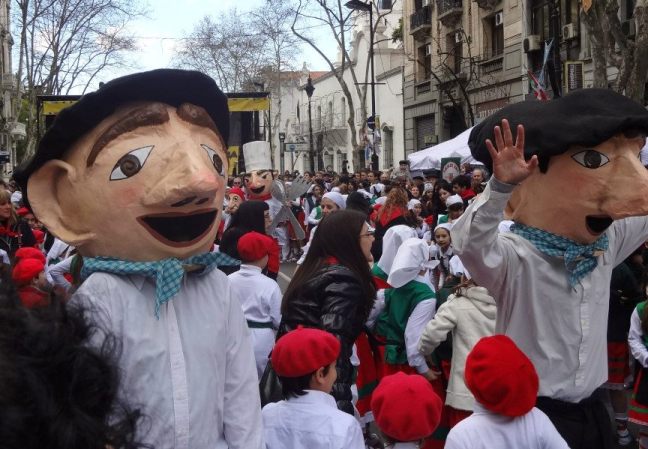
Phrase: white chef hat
x=412 y=257
x=453 y=199
x=337 y=198
x=257 y=156
x=412 y=203
x=393 y=238
x=446 y=226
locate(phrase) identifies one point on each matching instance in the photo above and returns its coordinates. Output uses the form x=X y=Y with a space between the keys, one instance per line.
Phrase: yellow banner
x=232 y=159
x=235 y=105
x=248 y=104
x=54 y=107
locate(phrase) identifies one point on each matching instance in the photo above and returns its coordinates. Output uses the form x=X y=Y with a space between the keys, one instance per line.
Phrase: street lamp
x=282 y=151
x=311 y=151
x=357 y=5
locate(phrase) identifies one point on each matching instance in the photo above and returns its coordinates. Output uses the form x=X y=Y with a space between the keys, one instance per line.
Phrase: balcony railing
x=449 y=10
x=493 y=63
x=8 y=81
x=421 y=20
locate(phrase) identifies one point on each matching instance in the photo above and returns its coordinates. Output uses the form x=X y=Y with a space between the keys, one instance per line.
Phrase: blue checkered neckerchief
x=167 y=273
x=580 y=259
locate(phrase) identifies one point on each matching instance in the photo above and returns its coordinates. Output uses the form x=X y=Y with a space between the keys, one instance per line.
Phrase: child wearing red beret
x=407 y=409
x=308 y=417
x=259 y=295
x=29 y=277
x=504 y=383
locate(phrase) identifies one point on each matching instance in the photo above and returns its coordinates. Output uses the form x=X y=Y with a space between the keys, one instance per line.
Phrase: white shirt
x=312 y=421
x=191 y=372
x=58 y=271
x=484 y=429
x=563 y=330
x=260 y=296
x=635 y=340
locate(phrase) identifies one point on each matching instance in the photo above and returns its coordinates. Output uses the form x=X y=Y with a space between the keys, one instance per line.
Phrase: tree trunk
x=636 y=85
x=593 y=22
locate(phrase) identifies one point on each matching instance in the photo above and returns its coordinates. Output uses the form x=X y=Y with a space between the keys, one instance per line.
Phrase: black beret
x=170 y=86
x=584 y=117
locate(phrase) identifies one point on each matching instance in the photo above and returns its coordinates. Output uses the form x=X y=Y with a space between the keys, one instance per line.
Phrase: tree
x=612 y=48
x=334 y=16
x=65 y=45
x=228 y=48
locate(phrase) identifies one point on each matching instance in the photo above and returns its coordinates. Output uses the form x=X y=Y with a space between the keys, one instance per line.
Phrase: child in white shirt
x=308 y=417
x=504 y=383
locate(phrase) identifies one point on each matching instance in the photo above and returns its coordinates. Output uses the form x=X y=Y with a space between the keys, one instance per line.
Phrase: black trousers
x=583 y=425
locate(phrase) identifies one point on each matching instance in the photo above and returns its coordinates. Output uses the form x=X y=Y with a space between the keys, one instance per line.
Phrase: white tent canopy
x=431 y=157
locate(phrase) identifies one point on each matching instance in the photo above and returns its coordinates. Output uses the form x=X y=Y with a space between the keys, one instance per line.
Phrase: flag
x=538 y=90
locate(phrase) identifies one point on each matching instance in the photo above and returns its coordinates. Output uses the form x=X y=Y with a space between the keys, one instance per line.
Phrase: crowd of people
x=417 y=316
x=376 y=270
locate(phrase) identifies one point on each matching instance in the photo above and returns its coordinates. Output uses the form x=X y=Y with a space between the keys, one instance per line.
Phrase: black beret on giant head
x=171 y=86
x=585 y=117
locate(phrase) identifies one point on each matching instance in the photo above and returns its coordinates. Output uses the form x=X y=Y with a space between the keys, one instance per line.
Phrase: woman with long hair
x=392 y=213
x=14 y=232
x=251 y=216
x=333 y=290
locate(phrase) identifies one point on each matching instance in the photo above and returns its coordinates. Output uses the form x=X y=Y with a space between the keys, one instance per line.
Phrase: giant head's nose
x=627 y=193
x=186 y=178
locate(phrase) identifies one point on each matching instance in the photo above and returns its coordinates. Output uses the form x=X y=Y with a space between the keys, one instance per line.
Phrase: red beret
x=253 y=246
x=26 y=270
x=23 y=211
x=303 y=351
x=238 y=192
x=38 y=235
x=29 y=253
x=501 y=377
x=406 y=407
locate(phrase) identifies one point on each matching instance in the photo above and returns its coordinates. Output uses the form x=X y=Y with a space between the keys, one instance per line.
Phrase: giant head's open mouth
x=257 y=190
x=597 y=224
x=179 y=230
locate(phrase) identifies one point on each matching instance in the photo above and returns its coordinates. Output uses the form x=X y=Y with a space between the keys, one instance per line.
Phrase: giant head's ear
x=51 y=195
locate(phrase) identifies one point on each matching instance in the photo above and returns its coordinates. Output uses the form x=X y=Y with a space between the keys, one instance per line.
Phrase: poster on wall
x=450 y=168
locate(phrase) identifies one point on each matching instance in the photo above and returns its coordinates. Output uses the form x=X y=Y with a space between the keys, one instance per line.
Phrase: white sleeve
x=312 y=217
x=427 y=236
x=436 y=330
x=475 y=238
x=354 y=438
x=456 y=440
x=5 y=257
x=275 y=306
x=242 y=422
x=58 y=271
x=630 y=233
x=635 y=340
x=307 y=210
x=378 y=307
x=422 y=313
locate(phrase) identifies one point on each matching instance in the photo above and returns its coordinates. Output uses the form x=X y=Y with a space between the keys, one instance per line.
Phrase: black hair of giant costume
x=586 y=117
x=170 y=86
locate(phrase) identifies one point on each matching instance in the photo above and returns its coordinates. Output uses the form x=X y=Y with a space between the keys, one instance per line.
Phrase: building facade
x=333 y=147
x=10 y=129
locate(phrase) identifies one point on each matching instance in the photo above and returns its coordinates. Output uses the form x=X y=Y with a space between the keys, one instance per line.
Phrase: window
x=494 y=35
x=343 y=111
x=424 y=66
x=454 y=48
x=388 y=148
x=385 y=4
x=424 y=131
x=540 y=14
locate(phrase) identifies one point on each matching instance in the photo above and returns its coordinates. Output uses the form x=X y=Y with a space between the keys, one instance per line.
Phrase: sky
x=170 y=20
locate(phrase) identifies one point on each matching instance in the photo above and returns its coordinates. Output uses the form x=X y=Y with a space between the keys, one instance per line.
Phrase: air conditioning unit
x=628 y=27
x=499 y=19
x=425 y=2
x=531 y=43
x=458 y=37
x=428 y=49
x=569 y=31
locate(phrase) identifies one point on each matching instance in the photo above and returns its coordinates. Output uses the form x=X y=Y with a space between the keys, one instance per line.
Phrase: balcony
x=449 y=11
x=423 y=87
x=421 y=22
x=492 y=65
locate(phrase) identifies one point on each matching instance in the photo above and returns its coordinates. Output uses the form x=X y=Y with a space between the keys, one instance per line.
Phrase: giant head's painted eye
x=215 y=159
x=591 y=158
x=130 y=164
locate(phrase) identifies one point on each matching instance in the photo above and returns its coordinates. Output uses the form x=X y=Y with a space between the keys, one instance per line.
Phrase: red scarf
x=8 y=232
x=330 y=260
